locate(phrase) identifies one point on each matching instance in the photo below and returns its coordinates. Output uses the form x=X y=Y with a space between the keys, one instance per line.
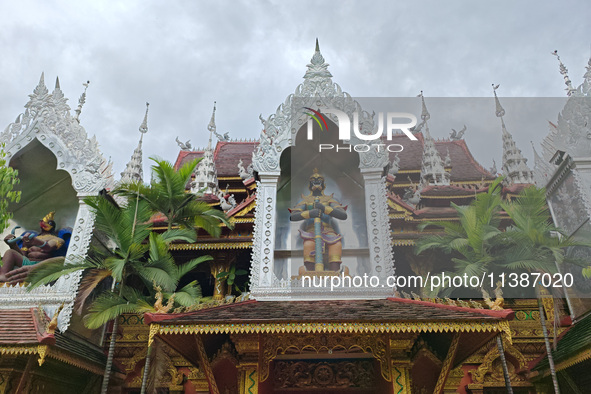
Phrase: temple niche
x=333 y=178
x=58 y=166
x=353 y=227
x=44 y=189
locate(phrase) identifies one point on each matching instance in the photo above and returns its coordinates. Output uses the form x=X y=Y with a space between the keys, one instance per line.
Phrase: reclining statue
x=34 y=249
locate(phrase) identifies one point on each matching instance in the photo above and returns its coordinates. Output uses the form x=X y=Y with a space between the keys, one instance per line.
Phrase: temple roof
x=24 y=326
x=573 y=347
x=24 y=331
x=354 y=311
x=226 y=156
x=463 y=165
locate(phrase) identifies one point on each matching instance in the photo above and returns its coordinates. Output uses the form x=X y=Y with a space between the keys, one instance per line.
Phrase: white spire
x=433 y=168
x=318 y=68
x=586 y=86
x=58 y=98
x=569 y=86
x=206 y=180
x=514 y=167
x=81 y=101
x=134 y=171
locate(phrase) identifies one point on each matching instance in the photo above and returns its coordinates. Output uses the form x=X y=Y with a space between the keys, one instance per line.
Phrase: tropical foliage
x=477 y=245
x=8 y=180
x=141 y=270
x=132 y=264
x=166 y=194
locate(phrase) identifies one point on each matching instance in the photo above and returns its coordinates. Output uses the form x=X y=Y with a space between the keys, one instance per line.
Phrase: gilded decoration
x=401 y=381
x=323 y=375
x=491 y=365
x=397 y=327
x=447 y=363
x=274 y=346
x=212 y=246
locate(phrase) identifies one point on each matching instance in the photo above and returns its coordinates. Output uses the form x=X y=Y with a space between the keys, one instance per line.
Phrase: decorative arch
x=47 y=121
x=280 y=130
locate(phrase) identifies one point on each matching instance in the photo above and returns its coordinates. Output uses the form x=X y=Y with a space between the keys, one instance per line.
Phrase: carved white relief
x=280 y=129
x=47 y=118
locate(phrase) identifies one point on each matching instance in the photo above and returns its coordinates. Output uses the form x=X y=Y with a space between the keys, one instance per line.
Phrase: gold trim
x=62 y=356
x=242 y=220
x=246 y=209
x=403 y=242
x=229 y=178
x=18 y=350
x=42 y=352
x=212 y=246
x=396 y=327
x=579 y=357
x=153 y=331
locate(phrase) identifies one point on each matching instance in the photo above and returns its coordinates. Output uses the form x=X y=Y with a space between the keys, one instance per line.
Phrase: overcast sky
x=248 y=56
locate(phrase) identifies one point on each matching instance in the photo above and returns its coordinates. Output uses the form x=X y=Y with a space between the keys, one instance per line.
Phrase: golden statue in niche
x=318 y=230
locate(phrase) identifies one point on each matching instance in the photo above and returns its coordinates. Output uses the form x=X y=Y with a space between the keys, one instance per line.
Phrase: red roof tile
x=24 y=326
x=227 y=154
x=360 y=311
x=463 y=165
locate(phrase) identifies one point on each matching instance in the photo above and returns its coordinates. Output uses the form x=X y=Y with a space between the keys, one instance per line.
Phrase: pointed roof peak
x=134 y=170
x=81 y=101
x=40 y=90
x=564 y=71
x=57 y=82
x=144 y=126
x=499 y=110
x=514 y=165
x=425 y=115
x=318 y=68
x=211 y=126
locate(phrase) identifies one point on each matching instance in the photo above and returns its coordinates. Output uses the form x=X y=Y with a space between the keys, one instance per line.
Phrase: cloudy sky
x=248 y=56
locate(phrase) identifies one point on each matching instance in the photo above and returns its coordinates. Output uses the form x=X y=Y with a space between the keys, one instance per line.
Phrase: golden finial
x=49 y=217
x=51 y=327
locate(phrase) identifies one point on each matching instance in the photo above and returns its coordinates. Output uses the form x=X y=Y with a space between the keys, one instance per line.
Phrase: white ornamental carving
x=47 y=118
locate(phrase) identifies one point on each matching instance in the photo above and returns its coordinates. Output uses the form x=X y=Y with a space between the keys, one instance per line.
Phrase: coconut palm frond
x=180 y=234
x=107 y=307
x=91 y=279
x=51 y=270
x=184 y=269
x=189 y=294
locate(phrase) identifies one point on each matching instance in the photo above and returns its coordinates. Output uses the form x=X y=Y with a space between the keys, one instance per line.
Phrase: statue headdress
x=49 y=217
x=316 y=175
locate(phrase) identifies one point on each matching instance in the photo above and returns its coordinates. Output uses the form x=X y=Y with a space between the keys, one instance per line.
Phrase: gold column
x=247 y=347
x=206 y=366
x=399 y=349
x=447 y=363
x=401 y=382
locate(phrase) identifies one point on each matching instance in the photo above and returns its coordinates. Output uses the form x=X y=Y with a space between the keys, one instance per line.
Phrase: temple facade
x=301 y=219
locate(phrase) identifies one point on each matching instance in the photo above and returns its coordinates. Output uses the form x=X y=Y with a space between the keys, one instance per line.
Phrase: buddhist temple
x=301 y=218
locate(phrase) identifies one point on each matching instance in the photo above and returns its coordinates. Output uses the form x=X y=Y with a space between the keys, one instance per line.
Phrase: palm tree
x=167 y=195
x=126 y=228
x=534 y=244
x=471 y=240
x=528 y=245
